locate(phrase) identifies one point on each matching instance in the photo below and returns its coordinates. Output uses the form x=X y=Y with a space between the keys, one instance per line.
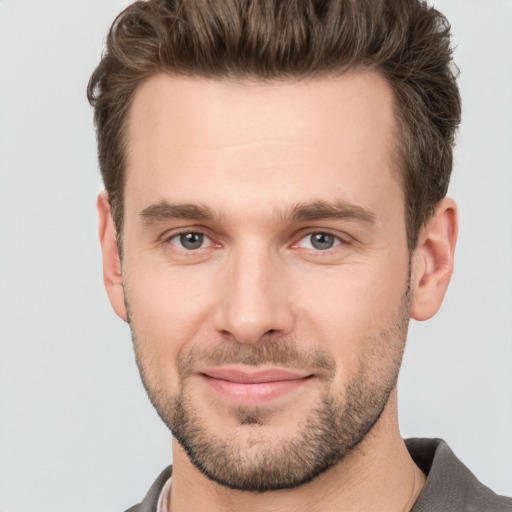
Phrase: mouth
x=248 y=387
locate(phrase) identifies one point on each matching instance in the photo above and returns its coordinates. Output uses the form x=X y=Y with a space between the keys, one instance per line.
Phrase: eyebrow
x=165 y=211
x=337 y=210
x=301 y=212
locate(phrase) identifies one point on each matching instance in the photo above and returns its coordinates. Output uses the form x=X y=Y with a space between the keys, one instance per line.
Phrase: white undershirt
x=164 y=498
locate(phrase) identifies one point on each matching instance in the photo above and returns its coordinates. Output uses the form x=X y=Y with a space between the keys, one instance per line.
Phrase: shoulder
x=149 y=503
x=450 y=486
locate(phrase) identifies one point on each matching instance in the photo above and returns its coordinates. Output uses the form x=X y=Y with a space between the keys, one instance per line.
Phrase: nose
x=253 y=299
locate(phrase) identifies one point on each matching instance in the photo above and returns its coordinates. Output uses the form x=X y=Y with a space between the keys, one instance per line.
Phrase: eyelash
x=168 y=240
x=336 y=242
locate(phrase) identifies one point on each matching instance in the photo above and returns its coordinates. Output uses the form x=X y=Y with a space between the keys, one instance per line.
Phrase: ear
x=432 y=261
x=112 y=276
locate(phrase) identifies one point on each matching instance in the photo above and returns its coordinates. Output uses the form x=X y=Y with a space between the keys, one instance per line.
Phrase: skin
x=249 y=153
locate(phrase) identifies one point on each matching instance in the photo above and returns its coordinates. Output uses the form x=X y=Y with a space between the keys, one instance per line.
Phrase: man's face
x=265 y=268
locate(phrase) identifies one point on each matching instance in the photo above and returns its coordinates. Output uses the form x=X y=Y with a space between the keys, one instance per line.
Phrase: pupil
x=322 y=241
x=191 y=240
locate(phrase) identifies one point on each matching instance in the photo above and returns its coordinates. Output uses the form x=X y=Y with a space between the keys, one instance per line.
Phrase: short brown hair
x=407 y=41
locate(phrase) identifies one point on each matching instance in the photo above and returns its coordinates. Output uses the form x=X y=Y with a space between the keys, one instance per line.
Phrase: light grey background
x=77 y=433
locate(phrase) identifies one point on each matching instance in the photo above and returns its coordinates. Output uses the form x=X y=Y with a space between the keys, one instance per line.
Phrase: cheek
x=166 y=298
x=351 y=311
x=167 y=311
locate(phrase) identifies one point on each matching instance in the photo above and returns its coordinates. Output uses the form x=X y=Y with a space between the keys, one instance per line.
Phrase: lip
x=247 y=387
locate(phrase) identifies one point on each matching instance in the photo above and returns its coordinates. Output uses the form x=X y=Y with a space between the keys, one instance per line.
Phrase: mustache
x=272 y=352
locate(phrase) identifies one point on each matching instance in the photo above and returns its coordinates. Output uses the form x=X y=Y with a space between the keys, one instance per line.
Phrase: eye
x=190 y=241
x=320 y=241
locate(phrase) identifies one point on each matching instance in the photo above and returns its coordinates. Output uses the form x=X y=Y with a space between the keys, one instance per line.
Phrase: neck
x=377 y=475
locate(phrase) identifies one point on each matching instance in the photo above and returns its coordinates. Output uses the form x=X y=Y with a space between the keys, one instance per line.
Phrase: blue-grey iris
x=191 y=241
x=322 y=241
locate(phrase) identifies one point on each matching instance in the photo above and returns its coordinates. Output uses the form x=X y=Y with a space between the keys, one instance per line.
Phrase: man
x=274 y=214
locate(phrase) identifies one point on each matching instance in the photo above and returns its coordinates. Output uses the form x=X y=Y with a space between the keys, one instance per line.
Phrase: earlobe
x=432 y=261
x=112 y=274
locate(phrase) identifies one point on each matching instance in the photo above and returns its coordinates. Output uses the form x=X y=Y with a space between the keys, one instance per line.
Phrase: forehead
x=293 y=139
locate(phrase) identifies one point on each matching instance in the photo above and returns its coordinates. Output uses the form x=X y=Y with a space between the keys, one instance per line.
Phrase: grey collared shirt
x=450 y=486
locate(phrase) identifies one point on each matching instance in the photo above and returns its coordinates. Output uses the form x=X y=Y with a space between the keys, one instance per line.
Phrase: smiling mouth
x=244 y=387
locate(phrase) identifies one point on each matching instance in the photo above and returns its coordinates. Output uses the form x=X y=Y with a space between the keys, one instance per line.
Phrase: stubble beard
x=334 y=426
